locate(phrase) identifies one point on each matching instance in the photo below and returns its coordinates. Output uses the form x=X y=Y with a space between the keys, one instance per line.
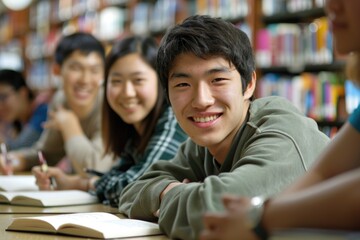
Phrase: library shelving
x=35 y=31
x=291 y=39
x=296 y=59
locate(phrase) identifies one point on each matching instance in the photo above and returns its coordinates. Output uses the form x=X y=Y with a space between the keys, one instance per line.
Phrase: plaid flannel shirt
x=163 y=145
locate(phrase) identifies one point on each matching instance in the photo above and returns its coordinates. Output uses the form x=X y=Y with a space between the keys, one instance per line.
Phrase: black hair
x=206 y=36
x=80 y=41
x=14 y=79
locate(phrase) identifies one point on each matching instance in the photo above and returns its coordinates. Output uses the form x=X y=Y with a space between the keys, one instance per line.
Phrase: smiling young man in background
x=73 y=128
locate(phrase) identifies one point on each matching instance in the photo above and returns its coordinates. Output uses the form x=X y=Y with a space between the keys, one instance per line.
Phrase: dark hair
x=205 y=36
x=79 y=41
x=115 y=131
x=16 y=80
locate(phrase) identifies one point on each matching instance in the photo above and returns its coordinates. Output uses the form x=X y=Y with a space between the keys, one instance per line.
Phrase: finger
x=157 y=213
x=9 y=170
x=43 y=184
x=213 y=221
x=186 y=180
x=234 y=202
x=2 y=167
x=49 y=124
x=54 y=172
x=35 y=170
x=59 y=108
x=52 y=113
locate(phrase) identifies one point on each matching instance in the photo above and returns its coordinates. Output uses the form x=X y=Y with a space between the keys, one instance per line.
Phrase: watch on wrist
x=254 y=216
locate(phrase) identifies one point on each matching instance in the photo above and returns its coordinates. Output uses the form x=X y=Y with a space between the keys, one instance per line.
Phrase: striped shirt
x=163 y=145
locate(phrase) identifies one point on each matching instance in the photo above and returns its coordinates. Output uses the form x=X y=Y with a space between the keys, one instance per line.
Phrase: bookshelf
x=295 y=59
x=37 y=29
x=12 y=26
x=34 y=32
x=294 y=17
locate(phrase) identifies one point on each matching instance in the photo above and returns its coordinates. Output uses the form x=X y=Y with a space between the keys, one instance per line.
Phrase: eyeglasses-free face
x=4 y=96
x=208 y=100
x=9 y=101
x=132 y=89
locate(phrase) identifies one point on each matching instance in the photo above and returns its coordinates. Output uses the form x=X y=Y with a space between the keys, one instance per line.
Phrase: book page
x=52 y=223
x=117 y=228
x=37 y=224
x=53 y=198
x=5 y=197
x=18 y=183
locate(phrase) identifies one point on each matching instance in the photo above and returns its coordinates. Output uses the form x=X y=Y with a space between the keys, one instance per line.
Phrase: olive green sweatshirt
x=272 y=148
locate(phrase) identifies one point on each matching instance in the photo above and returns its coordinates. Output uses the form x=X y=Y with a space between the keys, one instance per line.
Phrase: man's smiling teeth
x=82 y=90
x=205 y=119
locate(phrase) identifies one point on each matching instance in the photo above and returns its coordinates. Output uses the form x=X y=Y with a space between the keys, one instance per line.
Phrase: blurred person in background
x=139 y=127
x=21 y=112
x=72 y=134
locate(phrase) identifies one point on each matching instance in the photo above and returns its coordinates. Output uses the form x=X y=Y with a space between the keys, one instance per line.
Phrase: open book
x=48 y=198
x=18 y=183
x=95 y=225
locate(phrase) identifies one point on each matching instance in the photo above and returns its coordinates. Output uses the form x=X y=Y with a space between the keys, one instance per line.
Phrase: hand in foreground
x=231 y=224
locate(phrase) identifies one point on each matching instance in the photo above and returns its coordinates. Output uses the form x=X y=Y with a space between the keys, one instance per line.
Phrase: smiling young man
x=73 y=128
x=237 y=145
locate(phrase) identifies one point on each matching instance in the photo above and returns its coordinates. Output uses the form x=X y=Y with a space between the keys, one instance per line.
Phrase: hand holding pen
x=44 y=169
x=6 y=164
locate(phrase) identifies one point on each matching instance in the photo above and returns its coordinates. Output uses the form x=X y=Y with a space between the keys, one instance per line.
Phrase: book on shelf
x=12 y=183
x=94 y=225
x=48 y=198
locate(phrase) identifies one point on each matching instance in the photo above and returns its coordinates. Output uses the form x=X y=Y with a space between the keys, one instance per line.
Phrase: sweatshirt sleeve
x=163 y=145
x=264 y=165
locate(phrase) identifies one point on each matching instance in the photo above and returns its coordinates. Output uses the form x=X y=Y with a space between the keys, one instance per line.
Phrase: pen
x=4 y=153
x=44 y=168
x=93 y=172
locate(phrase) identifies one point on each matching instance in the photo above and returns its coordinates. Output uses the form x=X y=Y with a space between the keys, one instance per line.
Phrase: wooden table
x=8 y=212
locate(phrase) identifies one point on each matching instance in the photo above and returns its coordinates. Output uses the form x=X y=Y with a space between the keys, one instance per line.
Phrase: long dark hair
x=115 y=131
